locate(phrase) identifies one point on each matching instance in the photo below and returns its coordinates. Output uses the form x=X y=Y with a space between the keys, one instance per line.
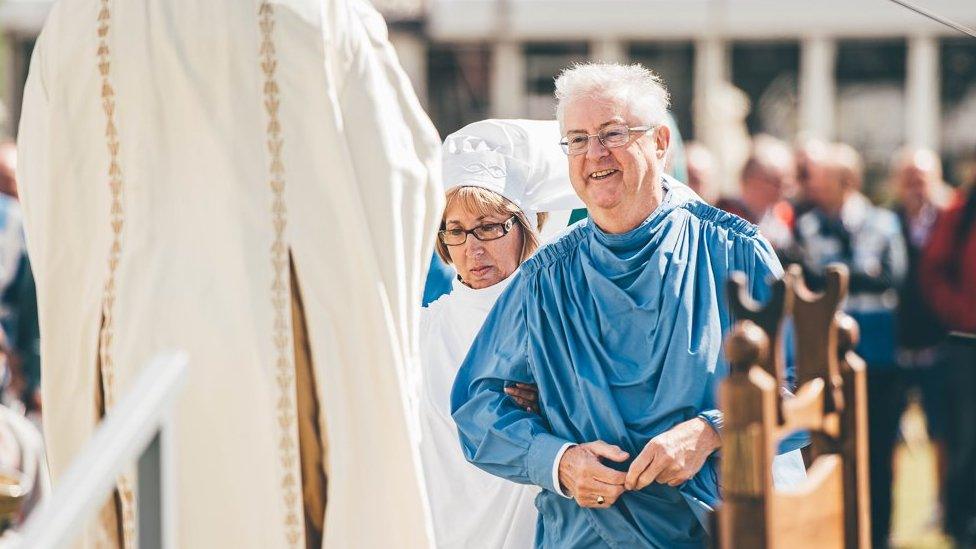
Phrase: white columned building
x=711 y=75
x=922 y=92
x=608 y=51
x=508 y=80
x=713 y=110
x=505 y=26
x=817 y=84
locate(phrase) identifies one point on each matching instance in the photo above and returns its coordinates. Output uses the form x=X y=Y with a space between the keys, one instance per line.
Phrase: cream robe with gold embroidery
x=173 y=153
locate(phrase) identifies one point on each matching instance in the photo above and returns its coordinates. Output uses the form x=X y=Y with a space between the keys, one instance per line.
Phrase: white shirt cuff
x=555 y=469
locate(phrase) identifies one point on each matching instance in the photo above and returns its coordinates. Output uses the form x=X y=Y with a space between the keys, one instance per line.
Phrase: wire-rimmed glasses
x=614 y=135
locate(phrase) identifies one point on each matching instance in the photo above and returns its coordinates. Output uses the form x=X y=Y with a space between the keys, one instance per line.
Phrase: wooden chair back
x=831 y=508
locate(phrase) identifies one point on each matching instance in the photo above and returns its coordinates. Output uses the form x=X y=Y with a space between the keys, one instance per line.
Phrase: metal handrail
x=139 y=426
x=963 y=338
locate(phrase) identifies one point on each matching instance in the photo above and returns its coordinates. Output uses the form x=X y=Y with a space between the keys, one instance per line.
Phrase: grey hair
x=637 y=87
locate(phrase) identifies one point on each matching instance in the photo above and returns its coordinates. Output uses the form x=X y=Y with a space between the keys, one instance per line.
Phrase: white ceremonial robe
x=176 y=156
x=470 y=508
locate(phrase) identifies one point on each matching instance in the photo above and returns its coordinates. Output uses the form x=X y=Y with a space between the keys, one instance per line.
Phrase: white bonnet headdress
x=518 y=159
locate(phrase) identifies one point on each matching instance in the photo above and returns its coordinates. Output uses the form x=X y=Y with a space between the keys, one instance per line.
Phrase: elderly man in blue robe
x=620 y=324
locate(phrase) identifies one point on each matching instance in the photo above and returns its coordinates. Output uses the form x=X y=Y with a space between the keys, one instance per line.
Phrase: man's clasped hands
x=671 y=458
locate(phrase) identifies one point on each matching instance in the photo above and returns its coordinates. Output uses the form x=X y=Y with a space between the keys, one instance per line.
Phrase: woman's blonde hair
x=484 y=202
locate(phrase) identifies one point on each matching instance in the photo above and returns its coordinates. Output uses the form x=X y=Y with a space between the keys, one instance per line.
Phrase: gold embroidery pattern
x=285 y=372
x=117 y=220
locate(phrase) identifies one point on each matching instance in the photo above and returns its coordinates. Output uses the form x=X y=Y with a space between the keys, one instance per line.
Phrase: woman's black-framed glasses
x=484 y=233
x=615 y=135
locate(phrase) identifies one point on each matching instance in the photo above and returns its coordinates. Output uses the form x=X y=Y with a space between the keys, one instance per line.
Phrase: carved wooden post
x=769 y=317
x=816 y=344
x=748 y=397
x=854 y=436
x=831 y=508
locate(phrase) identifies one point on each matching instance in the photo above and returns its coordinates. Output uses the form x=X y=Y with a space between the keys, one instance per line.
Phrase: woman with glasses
x=501 y=179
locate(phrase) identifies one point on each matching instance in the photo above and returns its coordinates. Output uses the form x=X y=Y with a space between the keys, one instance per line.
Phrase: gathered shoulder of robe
x=469 y=507
x=622 y=333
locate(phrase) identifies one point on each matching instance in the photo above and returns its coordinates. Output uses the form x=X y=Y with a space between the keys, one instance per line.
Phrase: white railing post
x=139 y=428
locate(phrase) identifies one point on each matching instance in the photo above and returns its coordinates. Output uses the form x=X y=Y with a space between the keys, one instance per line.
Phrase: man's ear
x=662 y=140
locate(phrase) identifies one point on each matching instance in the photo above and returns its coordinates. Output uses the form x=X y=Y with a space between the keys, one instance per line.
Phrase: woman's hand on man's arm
x=525 y=395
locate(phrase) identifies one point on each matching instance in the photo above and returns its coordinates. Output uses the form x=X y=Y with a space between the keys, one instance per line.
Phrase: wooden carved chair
x=831 y=508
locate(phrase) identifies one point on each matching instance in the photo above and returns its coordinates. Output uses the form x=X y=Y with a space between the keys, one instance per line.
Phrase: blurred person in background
x=23 y=472
x=12 y=246
x=18 y=298
x=768 y=171
x=20 y=301
x=23 y=466
x=921 y=194
x=949 y=266
x=844 y=227
x=701 y=171
x=948 y=275
x=810 y=155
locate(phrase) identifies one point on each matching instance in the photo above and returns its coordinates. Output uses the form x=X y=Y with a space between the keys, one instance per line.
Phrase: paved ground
x=916 y=523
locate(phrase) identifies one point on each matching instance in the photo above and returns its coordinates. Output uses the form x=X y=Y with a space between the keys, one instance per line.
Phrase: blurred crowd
x=912 y=263
x=23 y=478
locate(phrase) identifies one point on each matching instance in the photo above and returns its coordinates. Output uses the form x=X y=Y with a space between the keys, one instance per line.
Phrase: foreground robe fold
x=622 y=333
x=175 y=157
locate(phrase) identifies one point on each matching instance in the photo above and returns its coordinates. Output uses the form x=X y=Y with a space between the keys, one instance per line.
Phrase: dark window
x=871 y=103
x=767 y=73
x=543 y=62
x=870 y=61
x=675 y=63
x=458 y=85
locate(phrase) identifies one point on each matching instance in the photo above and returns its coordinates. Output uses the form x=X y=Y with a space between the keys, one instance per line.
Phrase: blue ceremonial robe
x=623 y=335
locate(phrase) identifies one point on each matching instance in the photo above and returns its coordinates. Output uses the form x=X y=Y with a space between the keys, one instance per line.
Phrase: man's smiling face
x=611 y=182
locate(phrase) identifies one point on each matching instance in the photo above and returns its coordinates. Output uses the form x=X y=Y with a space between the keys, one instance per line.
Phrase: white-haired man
x=620 y=324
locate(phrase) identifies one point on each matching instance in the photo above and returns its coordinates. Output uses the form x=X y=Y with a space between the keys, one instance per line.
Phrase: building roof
x=467 y=20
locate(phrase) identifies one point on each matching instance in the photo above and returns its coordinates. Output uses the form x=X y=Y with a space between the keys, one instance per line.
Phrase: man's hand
x=525 y=395
x=591 y=483
x=674 y=456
